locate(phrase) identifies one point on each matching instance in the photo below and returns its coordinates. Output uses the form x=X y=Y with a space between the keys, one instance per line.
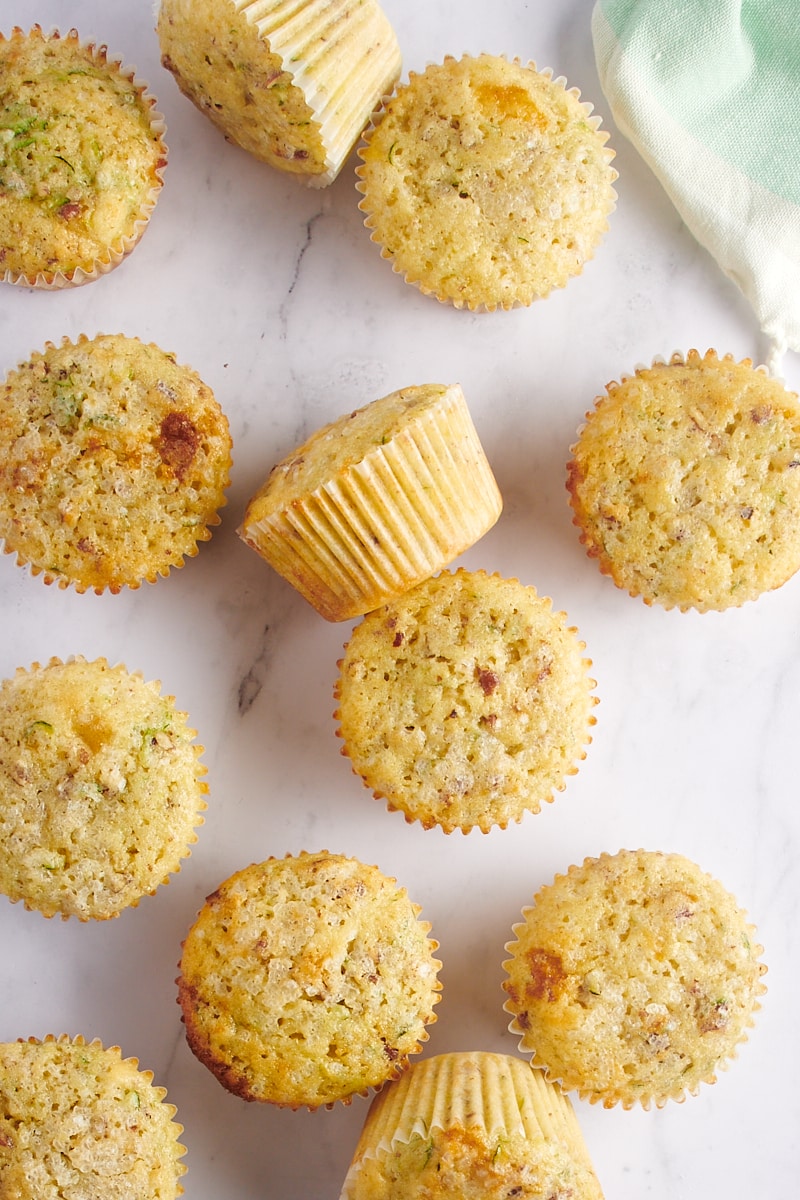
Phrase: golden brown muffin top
x=465 y=702
x=100 y=788
x=634 y=978
x=113 y=462
x=307 y=980
x=486 y=182
x=685 y=482
x=81 y=157
x=76 y=1119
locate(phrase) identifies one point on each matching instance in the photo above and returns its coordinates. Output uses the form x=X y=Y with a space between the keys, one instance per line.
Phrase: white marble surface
x=275 y=294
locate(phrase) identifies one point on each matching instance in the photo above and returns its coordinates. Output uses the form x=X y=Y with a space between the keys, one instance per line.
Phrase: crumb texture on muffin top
x=113 y=462
x=634 y=978
x=307 y=980
x=78 y=1120
x=685 y=482
x=465 y=702
x=81 y=157
x=100 y=788
x=462 y=1162
x=486 y=182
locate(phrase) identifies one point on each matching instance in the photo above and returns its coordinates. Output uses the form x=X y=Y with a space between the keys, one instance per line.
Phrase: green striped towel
x=709 y=93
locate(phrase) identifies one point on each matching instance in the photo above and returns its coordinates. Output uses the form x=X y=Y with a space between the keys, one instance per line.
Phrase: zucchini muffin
x=485 y=182
x=376 y=501
x=476 y=1126
x=466 y=702
x=633 y=979
x=100 y=788
x=307 y=980
x=79 y=1120
x=685 y=482
x=82 y=156
x=113 y=463
x=293 y=84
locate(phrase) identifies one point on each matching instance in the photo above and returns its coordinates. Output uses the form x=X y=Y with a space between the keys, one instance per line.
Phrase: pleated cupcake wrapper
x=592 y=119
x=498 y=1096
x=343 y=57
x=393 y=519
x=113 y=256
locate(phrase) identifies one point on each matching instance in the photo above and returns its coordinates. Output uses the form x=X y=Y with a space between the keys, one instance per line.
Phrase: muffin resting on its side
x=466 y=702
x=485 y=182
x=292 y=84
x=475 y=1126
x=634 y=978
x=305 y=981
x=685 y=482
x=376 y=501
x=81 y=160
x=100 y=788
x=114 y=461
x=79 y=1120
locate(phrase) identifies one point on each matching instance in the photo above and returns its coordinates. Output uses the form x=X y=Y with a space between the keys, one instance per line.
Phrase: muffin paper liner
x=396 y=517
x=342 y=57
x=494 y=1094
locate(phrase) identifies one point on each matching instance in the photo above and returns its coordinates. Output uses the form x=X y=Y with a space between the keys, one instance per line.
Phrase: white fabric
x=705 y=92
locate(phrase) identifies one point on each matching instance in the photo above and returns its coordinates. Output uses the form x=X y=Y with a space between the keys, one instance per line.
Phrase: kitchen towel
x=709 y=93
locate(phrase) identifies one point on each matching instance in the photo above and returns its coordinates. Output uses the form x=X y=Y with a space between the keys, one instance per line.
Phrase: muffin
x=466 y=702
x=478 y=1126
x=113 y=463
x=376 y=501
x=633 y=979
x=100 y=788
x=293 y=85
x=82 y=156
x=307 y=980
x=79 y=1120
x=685 y=482
x=486 y=183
